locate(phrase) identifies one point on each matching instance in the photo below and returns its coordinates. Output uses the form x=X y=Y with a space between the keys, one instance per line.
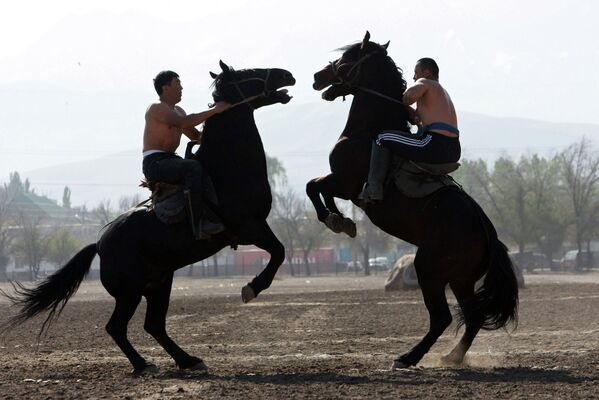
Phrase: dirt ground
x=325 y=337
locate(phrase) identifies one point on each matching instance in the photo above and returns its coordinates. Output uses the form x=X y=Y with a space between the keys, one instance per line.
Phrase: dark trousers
x=170 y=168
x=426 y=147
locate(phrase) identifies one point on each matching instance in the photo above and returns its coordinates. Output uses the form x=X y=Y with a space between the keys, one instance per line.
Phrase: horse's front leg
x=329 y=187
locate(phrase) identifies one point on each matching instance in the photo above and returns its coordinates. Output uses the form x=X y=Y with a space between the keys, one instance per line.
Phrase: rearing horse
x=139 y=254
x=457 y=243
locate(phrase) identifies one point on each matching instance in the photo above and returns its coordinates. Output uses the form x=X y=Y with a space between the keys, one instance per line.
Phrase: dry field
x=325 y=337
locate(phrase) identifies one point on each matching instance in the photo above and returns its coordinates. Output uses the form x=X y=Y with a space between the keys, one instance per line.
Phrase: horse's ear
x=365 y=40
x=386 y=45
x=213 y=75
x=224 y=66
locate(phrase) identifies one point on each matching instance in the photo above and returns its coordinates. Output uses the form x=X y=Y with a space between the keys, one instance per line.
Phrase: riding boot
x=380 y=157
x=203 y=222
x=208 y=223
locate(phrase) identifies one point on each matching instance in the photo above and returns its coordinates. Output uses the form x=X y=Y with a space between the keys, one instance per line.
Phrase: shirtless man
x=165 y=123
x=437 y=141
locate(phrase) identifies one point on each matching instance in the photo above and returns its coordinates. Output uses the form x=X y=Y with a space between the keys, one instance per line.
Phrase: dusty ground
x=328 y=337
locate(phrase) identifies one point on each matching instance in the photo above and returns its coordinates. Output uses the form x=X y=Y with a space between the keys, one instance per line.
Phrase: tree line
x=541 y=204
x=546 y=204
x=35 y=229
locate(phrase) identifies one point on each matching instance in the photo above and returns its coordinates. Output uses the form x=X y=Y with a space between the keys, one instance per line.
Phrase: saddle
x=417 y=180
x=167 y=201
x=172 y=202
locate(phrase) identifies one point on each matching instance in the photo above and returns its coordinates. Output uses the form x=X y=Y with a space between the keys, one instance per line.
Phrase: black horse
x=457 y=243
x=138 y=253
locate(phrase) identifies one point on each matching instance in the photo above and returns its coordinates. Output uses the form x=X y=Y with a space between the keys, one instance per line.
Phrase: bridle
x=357 y=67
x=244 y=99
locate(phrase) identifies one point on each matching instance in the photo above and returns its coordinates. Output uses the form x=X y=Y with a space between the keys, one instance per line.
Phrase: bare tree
x=369 y=238
x=103 y=212
x=286 y=217
x=128 y=202
x=580 y=171
x=311 y=235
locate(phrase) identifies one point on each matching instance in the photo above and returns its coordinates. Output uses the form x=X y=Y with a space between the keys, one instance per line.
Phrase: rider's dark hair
x=430 y=65
x=163 y=78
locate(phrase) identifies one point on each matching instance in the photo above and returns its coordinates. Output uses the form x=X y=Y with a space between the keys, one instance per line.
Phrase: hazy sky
x=531 y=59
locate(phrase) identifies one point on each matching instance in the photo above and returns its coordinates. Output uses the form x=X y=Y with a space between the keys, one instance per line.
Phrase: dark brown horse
x=139 y=254
x=457 y=244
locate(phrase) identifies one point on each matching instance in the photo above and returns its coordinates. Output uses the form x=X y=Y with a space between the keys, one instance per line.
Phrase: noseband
x=244 y=99
x=357 y=67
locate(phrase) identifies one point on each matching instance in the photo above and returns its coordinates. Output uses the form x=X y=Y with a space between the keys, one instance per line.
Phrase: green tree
x=61 y=246
x=5 y=237
x=277 y=177
x=30 y=247
x=15 y=185
x=546 y=204
x=474 y=177
x=66 y=197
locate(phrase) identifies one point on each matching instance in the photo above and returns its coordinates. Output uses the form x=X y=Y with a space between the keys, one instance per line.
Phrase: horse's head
x=362 y=65
x=254 y=87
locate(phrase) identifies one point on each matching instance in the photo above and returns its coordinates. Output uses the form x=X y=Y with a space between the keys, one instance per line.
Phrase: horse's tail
x=495 y=303
x=53 y=293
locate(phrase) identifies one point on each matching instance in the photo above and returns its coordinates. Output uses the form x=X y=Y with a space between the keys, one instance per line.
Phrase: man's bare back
x=432 y=100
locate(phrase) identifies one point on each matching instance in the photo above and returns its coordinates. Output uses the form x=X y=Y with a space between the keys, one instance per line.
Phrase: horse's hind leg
x=433 y=292
x=463 y=290
x=117 y=329
x=263 y=237
x=155 y=325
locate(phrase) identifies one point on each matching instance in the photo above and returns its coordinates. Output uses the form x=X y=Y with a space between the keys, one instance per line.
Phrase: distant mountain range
x=301 y=136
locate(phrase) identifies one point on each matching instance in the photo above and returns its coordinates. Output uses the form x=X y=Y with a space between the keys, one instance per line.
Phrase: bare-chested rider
x=165 y=123
x=437 y=141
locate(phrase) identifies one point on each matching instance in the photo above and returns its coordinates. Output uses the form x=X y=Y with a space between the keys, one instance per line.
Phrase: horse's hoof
x=452 y=360
x=247 y=294
x=334 y=222
x=198 y=367
x=398 y=364
x=349 y=227
x=146 y=370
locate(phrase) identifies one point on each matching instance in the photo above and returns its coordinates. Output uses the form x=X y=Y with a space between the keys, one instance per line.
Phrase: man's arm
x=415 y=93
x=193 y=134
x=164 y=114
